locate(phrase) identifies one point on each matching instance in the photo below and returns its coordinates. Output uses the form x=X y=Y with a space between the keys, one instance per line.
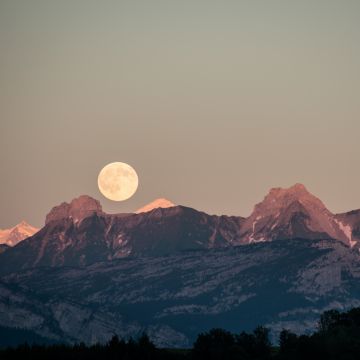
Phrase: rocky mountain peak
x=157 y=203
x=77 y=209
x=290 y=213
x=278 y=198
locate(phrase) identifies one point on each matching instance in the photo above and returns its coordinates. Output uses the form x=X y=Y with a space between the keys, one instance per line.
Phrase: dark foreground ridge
x=337 y=337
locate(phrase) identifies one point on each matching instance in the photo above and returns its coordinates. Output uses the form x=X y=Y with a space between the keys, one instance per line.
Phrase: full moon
x=118 y=181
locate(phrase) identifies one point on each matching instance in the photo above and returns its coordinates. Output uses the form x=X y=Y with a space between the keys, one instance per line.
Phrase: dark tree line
x=337 y=337
x=221 y=344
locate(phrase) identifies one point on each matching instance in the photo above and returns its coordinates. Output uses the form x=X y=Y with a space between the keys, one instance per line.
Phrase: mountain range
x=80 y=233
x=173 y=271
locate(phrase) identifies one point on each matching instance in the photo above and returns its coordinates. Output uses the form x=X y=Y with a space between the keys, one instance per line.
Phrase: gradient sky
x=212 y=102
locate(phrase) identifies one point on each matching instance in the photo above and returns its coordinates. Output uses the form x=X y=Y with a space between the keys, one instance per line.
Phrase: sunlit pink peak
x=26 y=226
x=17 y=233
x=158 y=203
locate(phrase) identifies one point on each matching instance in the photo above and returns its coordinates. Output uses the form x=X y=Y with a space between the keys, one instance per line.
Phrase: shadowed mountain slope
x=280 y=284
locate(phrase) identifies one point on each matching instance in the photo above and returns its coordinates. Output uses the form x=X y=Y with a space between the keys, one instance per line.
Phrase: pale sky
x=212 y=102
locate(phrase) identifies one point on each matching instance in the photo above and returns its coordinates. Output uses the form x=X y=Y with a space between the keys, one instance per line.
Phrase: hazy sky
x=212 y=102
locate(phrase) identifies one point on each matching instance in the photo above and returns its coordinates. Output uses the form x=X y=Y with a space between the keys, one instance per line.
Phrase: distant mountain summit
x=293 y=213
x=19 y=232
x=158 y=203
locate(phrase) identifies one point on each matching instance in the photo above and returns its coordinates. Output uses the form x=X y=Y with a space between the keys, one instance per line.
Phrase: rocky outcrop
x=77 y=210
